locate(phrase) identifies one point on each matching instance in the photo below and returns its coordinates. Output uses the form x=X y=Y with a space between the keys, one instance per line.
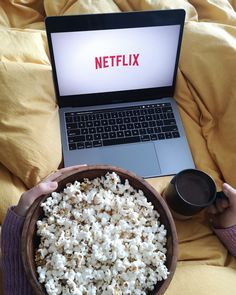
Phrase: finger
x=40 y=189
x=230 y=192
x=224 y=203
x=212 y=210
x=71 y=168
x=52 y=176
x=218 y=205
x=58 y=173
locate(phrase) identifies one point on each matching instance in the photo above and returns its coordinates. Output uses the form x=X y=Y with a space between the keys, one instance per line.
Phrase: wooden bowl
x=30 y=240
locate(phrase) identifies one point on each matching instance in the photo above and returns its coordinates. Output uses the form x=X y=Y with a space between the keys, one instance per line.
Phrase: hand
x=46 y=186
x=223 y=212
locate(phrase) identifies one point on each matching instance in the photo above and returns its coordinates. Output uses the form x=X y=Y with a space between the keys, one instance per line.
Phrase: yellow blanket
x=206 y=96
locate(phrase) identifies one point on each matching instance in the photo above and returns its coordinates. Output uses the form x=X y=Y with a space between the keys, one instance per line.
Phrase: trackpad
x=138 y=158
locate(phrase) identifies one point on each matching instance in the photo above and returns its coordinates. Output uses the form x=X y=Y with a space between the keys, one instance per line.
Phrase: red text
x=123 y=60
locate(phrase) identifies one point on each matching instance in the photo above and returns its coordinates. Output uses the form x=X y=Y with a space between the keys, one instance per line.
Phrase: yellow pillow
x=29 y=129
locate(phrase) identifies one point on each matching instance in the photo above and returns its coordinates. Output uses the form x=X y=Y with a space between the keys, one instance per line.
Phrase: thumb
x=44 y=188
x=230 y=192
x=28 y=197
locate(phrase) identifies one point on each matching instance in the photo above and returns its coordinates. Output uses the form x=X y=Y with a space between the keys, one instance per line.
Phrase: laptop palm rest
x=129 y=156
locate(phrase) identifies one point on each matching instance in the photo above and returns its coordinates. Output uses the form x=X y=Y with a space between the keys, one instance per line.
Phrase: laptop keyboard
x=120 y=126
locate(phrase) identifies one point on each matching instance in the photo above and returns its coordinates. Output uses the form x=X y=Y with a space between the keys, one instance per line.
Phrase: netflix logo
x=121 y=60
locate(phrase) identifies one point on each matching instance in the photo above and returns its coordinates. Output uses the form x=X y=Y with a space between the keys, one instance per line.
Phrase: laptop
x=114 y=76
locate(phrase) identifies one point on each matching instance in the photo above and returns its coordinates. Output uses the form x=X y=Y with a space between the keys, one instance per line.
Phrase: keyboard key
x=115 y=128
x=107 y=128
x=120 y=134
x=69 y=119
x=152 y=124
x=88 y=144
x=107 y=116
x=170 y=122
x=157 y=129
x=141 y=119
x=136 y=112
x=126 y=120
x=72 y=146
x=123 y=127
x=73 y=132
x=76 y=139
x=92 y=130
x=163 y=116
x=96 y=123
x=91 y=117
x=129 y=113
x=105 y=136
x=84 y=131
x=137 y=125
x=144 y=124
x=119 y=121
x=80 y=145
x=121 y=114
x=143 y=112
x=69 y=114
x=100 y=129
x=128 y=133
x=104 y=122
x=135 y=132
x=169 y=128
x=168 y=135
x=158 y=110
x=112 y=121
x=151 y=111
x=130 y=126
x=112 y=135
x=89 y=124
x=150 y=130
x=161 y=136
x=148 y=118
x=121 y=140
x=145 y=138
x=97 y=143
x=81 y=124
x=89 y=137
x=156 y=117
x=71 y=125
x=99 y=116
x=175 y=134
x=142 y=131
x=170 y=115
x=114 y=115
x=134 y=119
x=153 y=137
x=97 y=136
x=159 y=123
x=167 y=109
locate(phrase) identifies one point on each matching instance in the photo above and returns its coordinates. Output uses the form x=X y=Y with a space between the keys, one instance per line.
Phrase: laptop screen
x=100 y=61
x=114 y=57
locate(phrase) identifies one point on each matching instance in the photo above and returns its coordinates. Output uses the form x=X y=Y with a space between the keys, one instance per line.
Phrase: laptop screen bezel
x=88 y=22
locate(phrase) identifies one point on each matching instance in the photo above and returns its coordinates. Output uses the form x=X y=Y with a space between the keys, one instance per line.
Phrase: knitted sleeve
x=228 y=238
x=14 y=278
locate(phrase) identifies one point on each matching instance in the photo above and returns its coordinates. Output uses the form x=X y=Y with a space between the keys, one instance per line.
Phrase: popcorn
x=100 y=237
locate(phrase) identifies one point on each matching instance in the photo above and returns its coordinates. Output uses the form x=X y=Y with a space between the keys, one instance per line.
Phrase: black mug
x=190 y=191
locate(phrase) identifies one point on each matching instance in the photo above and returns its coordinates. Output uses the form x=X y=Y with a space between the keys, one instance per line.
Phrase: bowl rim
x=109 y=168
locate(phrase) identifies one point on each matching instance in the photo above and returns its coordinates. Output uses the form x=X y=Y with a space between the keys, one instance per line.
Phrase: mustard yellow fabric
x=205 y=93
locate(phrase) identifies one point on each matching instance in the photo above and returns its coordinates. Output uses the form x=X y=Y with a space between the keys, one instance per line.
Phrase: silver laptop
x=114 y=77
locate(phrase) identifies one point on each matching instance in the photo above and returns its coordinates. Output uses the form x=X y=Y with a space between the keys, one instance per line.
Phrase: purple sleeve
x=228 y=238
x=14 y=278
